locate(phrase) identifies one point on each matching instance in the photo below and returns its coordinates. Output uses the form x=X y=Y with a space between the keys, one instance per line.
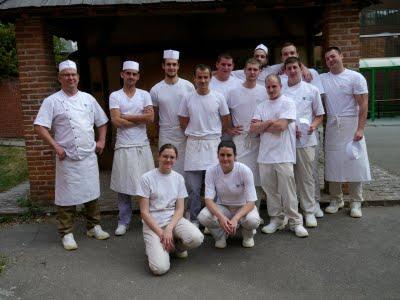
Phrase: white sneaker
x=121 y=230
x=206 y=231
x=355 y=210
x=221 y=243
x=248 y=242
x=300 y=231
x=311 y=221
x=272 y=227
x=181 y=254
x=334 y=206
x=97 y=233
x=318 y=211
x=68 y=242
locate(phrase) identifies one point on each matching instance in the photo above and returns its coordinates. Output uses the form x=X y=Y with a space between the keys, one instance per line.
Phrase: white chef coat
x=136 y=135
x=162 y=190
x=72 y=119
x=277 y=147
x=235 y=188
x=308 y=105
x=342 y=110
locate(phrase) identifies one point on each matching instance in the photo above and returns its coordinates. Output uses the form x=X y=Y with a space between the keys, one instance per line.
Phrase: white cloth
x=316 y=80
x=136 y=135
x=201 y=153
x=72 y=119
x=129 y=164
x=224 y=87
x=162 y=190
x=77 y=181
x=242 y=103
x=308 y=105
x=340 y=90
x=277 y=147
x=338 y=166
x=235 y=188
x=267 y=70
x=168 y=97
x=342 y=109
x=204 y=113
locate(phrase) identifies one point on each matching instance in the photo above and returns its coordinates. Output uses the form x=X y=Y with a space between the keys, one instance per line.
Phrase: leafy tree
x=59 y=50
x=8 y=52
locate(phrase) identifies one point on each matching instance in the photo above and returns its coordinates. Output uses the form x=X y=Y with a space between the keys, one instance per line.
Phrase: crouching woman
x=232 y=183
x=165 y=231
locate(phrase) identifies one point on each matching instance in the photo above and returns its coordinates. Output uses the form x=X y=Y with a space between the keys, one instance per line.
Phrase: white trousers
x=248 y=223
x=317 y=188
x=278 y=183
x=355 y=191
x=187 y=236
x=303 y=174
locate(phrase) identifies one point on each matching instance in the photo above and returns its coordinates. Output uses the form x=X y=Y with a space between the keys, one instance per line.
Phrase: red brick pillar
x=342 y=29
x=38 y=79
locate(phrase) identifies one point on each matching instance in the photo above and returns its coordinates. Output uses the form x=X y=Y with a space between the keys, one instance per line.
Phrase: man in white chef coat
x=71 y=114
x=222 y=81
x=167 y=96
x=309 y=115
x=347 y=107
x=203 y=115
x=131 y=109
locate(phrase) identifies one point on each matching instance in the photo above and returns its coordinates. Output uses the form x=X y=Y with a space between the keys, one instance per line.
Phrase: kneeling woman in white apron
x=165 y=230
x=233 y=184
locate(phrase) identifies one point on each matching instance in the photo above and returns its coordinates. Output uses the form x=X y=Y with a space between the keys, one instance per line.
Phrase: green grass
x=13 y=167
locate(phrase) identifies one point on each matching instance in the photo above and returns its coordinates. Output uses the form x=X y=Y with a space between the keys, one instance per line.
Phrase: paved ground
x=344 y=258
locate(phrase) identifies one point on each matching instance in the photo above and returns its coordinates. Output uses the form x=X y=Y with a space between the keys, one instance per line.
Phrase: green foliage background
x=8 y=51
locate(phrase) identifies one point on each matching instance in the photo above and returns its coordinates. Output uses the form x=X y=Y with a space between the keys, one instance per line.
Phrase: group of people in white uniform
x=267 y=118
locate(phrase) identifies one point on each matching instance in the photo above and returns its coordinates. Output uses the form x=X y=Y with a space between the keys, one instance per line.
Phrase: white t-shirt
x=308 y=106
x=233 y=189
x=316 y=80
x=162 y=190
x=243 y=102
x=277 y=147
x=224 y=87
x=136 y=135
x=340 y=90
x=72 y=119
x=267 y=70
x=204 y=112
x=168 y=97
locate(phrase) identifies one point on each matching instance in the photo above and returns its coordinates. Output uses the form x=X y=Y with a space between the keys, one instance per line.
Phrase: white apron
x=129 y=164
x=247 y=148
x=201 y=153
x=176 y=137
x=338 y=167
x=77 y=181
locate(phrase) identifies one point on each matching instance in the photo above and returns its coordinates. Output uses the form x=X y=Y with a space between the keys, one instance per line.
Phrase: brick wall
x=37 y=74
x=342 y=29
x=10 y=114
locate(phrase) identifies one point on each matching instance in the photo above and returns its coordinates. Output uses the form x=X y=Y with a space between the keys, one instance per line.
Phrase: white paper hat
x=262 y=47
x=171 y=54
x=303 y=126
x=130 y=65
x=353 y=150
x=66 y=64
